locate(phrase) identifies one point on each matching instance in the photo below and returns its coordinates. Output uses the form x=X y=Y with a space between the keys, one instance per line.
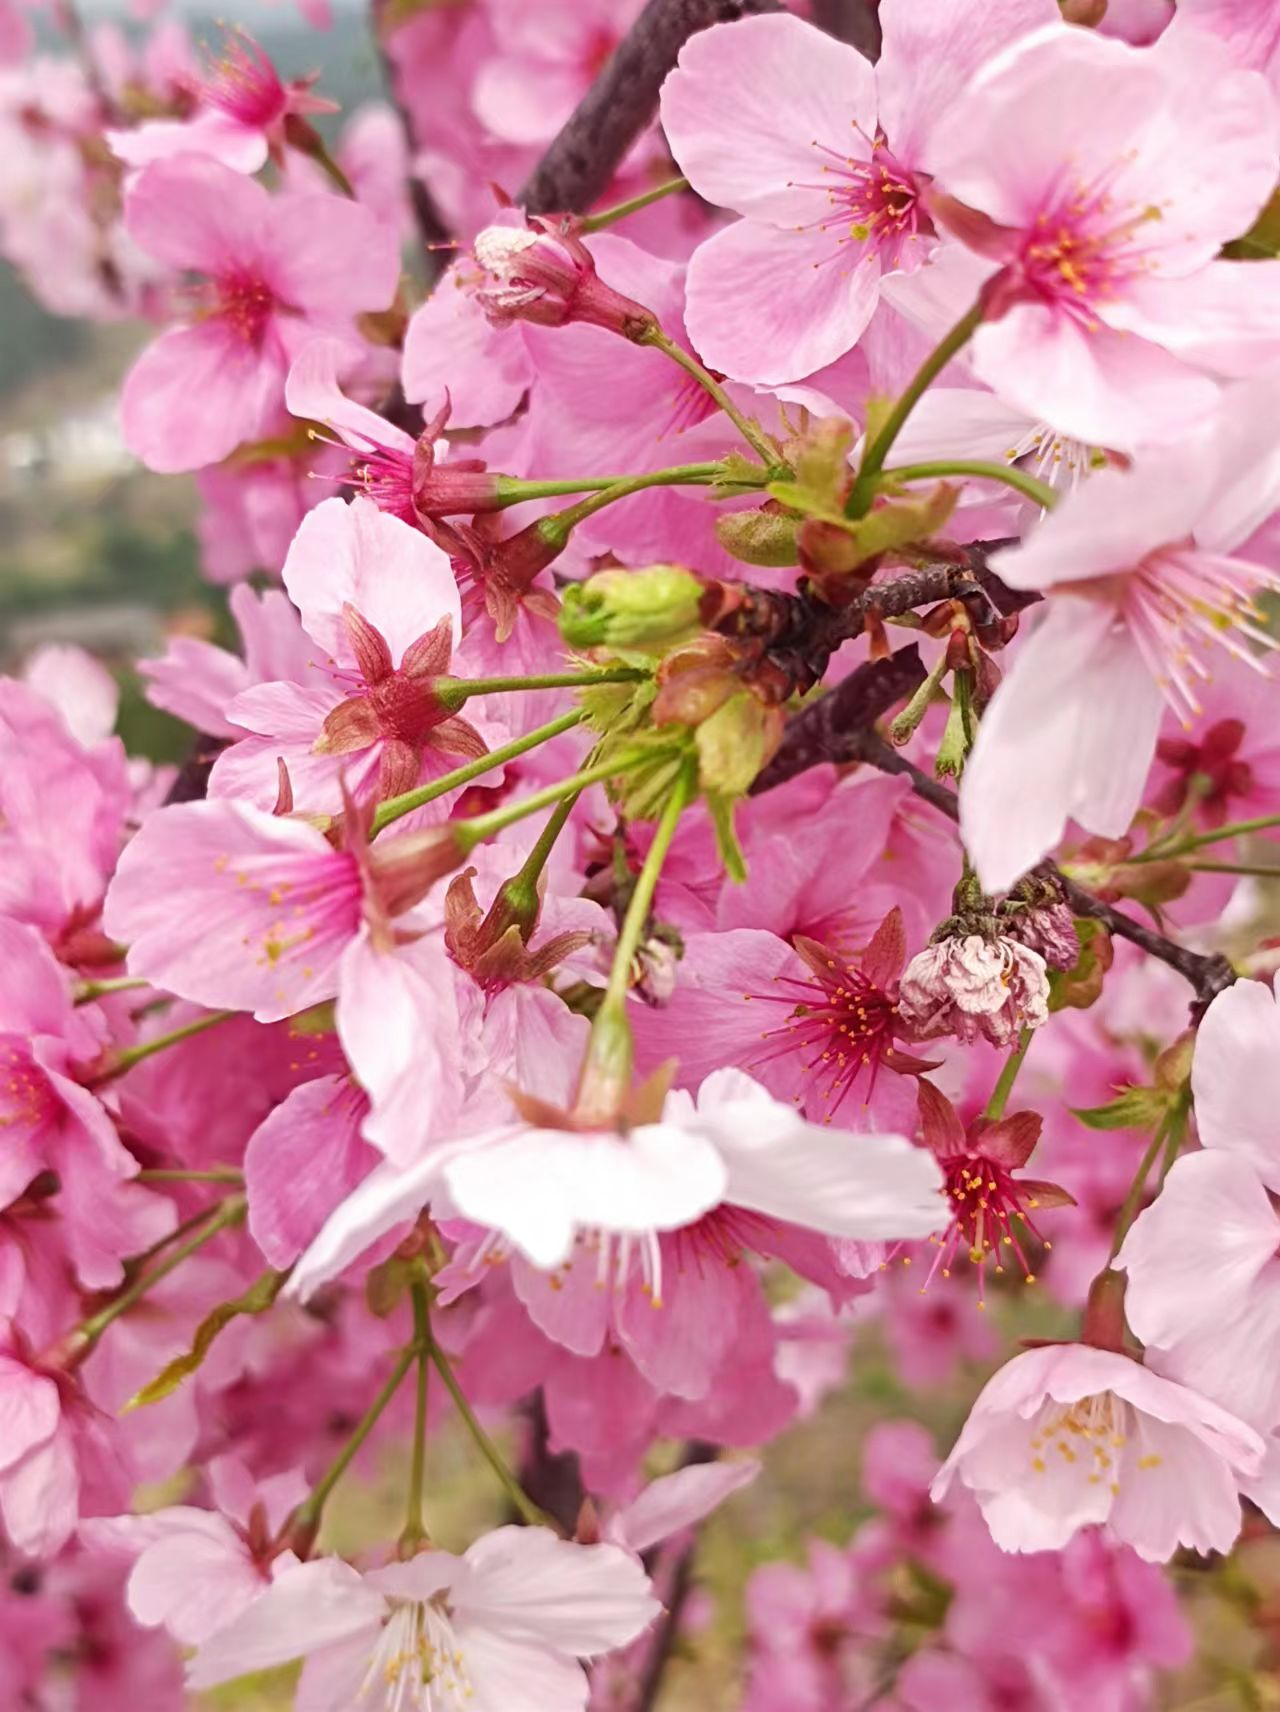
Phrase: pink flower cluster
x=596 y=969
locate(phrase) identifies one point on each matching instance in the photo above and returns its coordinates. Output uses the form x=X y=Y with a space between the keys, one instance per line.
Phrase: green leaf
x=721 y=811
x=1262 y=241
x=1079 y=987
x=1136 y=1108
x=255 y=1300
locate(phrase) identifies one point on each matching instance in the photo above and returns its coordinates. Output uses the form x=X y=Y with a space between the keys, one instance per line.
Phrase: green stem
x=524 y=1505
x=515 y=490
x=415 y=1535
x=1238 y=829
x=306 y=1518
x=556 y=528
x=605 y=1078
x=1133 y=1200
x=620 y=210
x=135 y=1054
x=755 y=437
x=641 y=901
x=225 y=1216
x=407 y=801
x=1008 y=1076
x=87 y=990
x=453 y=692
x=1042 y=494
x=218 y=1174
x=518 y=898
x=859 y=501
x=1254 y=869
x=483 y=826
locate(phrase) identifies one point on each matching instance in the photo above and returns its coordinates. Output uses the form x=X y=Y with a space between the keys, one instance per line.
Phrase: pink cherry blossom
x=1070 y=1435
x=1102 y=230
x=242 y=106
x=512 y=1616
x=825 y=162
x=381 y=605
x=1140 y=571
x=1204 y=1284
x=276 y=271
x=194 y=1571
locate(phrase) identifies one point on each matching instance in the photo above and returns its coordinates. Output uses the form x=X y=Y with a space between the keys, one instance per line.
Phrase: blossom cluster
x=593 y=964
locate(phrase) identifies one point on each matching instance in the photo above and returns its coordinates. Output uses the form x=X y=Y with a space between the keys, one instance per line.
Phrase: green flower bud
x=647 y=609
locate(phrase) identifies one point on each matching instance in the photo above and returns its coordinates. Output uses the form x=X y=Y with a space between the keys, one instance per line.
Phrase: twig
x=582 y=159
x=668 y=1628
x=798 y=633
x=1208 y=974
x=820 y=732
x=678 y=1585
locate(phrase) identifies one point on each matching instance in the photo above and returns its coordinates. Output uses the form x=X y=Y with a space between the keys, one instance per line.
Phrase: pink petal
x=397 y=1020
x=238 y=388
x=677 y=1501
x=503 y=1673
x=29 y=1410
x=532 y=1587
x=302 y=1161
x=268 y=942
x=1098 y=385
x=932 y=49
x=310 y=1605
x=193 y=1585
x=1046 y=749
x=193 y=212
x=540 y=1187
x=870 y=1187
x=312 y=392
x=770 y=305
x=1225 y=318
x=389 y=572
x=450 y=348
x=568 y=1305
x=332 y=257
x=1235 y=1076
x=1195 y=1254
x=680 y=1341
x=747 y=142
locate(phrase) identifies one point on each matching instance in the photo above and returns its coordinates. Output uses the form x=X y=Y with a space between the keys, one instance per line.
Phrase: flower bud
x=649 y=609
x=764 y=537
x=547 y=275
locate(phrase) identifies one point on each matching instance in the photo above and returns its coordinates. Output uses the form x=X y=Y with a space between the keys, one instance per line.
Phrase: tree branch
x=796 y=634
x=582 y=159
x=854 y=21
x=819 y=733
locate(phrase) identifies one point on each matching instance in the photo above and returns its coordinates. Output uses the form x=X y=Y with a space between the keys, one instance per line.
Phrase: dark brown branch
x=578 y=165
x=796 y=634
x=818 y=734
x=1208 y=975
x=668 y=1629
x=854 y=21
x=672 y=1570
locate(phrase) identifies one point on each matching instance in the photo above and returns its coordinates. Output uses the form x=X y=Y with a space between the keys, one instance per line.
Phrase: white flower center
x=416 y=1665
x=1093 y=1439
x=498 y=248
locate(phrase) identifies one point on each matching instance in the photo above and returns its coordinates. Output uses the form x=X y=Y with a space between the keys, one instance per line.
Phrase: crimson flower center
x=246 y=303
